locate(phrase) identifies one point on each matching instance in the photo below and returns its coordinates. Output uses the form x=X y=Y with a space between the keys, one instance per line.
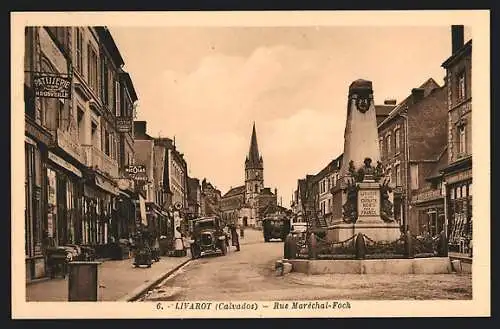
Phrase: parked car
x=208 y=237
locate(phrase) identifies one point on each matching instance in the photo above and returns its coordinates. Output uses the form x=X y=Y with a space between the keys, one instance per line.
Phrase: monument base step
x=431 y=265
x=376 y=231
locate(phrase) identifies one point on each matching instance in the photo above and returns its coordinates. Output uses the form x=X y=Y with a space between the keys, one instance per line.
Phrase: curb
x=138 y=292
x=466 y=260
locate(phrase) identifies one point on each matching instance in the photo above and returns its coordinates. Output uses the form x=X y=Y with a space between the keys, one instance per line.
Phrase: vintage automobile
x=208 y=237
x=275 y=228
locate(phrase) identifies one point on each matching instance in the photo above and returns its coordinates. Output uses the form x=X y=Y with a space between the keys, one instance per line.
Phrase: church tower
x=254 y=171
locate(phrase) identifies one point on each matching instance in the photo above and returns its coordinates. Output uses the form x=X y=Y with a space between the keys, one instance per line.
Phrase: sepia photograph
x=232 y=164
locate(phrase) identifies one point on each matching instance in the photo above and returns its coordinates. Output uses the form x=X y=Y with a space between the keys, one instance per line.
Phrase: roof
x=130 y=85
x=441 y=163
x=110 y=44
x=466 y=48
x=235 y=191
x=330 y=167
x=428 y=86
x=382 y=111
x=266 y=191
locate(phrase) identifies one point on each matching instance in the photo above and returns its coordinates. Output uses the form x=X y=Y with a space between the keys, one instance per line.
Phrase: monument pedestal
x=380 y=231
x=369 y=221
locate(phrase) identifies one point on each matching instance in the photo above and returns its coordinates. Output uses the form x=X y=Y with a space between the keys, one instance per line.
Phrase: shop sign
x=123 y=124
x=461 y=176
x=428 y=195
x=63 y=163
x=133 y=170
x=52 y=85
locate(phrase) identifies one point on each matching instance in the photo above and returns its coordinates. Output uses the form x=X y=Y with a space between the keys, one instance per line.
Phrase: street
x=249 y=275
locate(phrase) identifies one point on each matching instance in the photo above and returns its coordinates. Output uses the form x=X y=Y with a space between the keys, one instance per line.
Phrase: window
x=470 y=189
x=79 y=50
x=398 y=175
x=95 y=138
x=93 y=71
x=388 y=141
x=452 y=194
x=462 y=148
x=81 y=125
x=381 y=145
x=104 y=79
x=414 y=176
x=117 y=99
x=397 y=139
x=461 y=86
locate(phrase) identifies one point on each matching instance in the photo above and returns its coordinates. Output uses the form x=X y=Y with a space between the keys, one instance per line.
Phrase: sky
x=207 y=86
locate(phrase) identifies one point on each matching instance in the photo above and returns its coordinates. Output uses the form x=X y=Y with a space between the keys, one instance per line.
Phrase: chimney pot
x=390 y=102
x=417 y=94
x=457 y=38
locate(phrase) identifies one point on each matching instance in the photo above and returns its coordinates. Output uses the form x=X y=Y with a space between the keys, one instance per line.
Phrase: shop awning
x=106 y=185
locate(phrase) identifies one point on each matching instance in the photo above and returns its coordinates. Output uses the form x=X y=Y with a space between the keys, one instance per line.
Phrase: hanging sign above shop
x=133 y=170
x=124 y=124
x=49 y=85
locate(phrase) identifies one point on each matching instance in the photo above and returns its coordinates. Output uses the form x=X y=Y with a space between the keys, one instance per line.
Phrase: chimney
x=390 y=102
x=457 y=38
x=140 y=127
x=417 y=94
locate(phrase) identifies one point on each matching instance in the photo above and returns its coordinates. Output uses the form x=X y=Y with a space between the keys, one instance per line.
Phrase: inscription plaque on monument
x=369 y=203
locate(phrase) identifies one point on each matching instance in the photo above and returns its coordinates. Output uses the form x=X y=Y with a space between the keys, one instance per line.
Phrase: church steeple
x=253 y=160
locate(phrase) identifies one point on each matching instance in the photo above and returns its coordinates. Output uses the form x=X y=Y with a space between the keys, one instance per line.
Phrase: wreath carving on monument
x=363 y=102
x=350 y=207
x=386 y=206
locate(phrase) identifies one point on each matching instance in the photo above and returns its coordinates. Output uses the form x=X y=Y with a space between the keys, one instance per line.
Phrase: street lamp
x=407 y=169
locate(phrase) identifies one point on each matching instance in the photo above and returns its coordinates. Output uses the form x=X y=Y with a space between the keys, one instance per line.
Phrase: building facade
x=458 y=172
x=411 y=139
x=194 y=198
x=210 y=199
x=72 y=91
x=327 y=179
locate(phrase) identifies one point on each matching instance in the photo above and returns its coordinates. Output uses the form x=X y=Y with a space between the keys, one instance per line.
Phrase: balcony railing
x=98 y=160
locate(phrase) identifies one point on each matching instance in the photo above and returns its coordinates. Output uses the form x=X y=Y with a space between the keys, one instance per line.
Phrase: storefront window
x=51 y=203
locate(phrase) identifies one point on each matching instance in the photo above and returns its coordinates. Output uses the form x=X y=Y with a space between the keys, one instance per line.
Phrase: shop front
x=459 y=209
x=64 y=191
x=99 y=205
x=427 y=213
x=35 y=154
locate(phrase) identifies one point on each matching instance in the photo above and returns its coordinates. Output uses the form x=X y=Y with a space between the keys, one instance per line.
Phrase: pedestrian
x=234 y=237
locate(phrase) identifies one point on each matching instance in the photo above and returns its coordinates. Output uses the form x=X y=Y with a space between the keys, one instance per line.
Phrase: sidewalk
x=118 y=279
